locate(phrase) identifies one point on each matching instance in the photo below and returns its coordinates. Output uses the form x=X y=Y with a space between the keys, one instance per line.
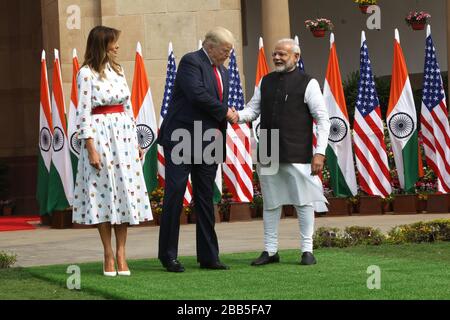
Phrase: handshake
x=232 y=115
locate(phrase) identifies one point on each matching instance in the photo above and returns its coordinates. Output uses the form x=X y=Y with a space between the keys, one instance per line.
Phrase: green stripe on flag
x=337 y=179
x=151 y=168
x=42 y=186
x=217 y=194
x=74 y=160
x=56 y=196
x=411 y=162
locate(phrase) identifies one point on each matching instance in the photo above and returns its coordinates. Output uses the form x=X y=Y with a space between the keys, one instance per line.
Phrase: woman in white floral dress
x=110 y=188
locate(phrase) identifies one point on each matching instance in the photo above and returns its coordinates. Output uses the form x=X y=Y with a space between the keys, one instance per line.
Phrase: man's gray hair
x=294 y=45
x=218 y=36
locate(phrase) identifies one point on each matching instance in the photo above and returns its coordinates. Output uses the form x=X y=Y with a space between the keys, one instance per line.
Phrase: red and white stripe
x=370 y=152
x=237 y=169
x=436 y=143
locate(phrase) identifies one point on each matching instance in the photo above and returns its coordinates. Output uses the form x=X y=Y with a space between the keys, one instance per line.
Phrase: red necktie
x=219 y=85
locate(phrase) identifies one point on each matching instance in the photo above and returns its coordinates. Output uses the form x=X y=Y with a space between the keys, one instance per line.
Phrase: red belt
x=117 y=108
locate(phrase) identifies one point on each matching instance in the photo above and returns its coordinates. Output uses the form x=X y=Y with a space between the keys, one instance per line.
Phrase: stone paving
x=45 y=246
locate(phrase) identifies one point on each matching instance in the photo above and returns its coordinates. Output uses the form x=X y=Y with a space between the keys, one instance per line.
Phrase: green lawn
x=414 y=271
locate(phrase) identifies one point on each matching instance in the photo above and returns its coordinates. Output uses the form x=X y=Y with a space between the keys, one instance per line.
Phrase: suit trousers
x=203 y=179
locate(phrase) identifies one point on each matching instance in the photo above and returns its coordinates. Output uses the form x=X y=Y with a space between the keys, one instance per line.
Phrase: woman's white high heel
x=124 y=273
x=109 y=273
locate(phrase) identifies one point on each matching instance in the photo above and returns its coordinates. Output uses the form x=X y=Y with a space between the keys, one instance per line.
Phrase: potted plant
x=365 y=4
x=3 y=177
x=319 y=26
x=8 y=207
x=417 y=19
x=256 y=206
x=224 y=204
x=156 y=203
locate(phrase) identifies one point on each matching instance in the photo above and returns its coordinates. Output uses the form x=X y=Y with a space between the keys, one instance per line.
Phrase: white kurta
x=116 y=193
x=294 y=184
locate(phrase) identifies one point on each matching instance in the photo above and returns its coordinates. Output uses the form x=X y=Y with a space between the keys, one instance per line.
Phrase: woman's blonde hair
x=96 y=55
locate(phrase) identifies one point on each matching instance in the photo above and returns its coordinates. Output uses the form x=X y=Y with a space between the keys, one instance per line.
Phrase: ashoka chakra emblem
x=45 y=139
x=401 y=125
x=75 y=143
x=58 y=139
x=257 y=129
x=338 y=129
x=145 y=136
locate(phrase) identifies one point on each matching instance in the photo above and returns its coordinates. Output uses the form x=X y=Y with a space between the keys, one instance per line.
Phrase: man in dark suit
x=198 y=105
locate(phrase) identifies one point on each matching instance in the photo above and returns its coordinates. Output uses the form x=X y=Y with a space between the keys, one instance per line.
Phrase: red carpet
x=14 y=223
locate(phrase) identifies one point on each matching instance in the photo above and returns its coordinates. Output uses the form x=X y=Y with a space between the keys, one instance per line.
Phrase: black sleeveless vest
x=283 y=108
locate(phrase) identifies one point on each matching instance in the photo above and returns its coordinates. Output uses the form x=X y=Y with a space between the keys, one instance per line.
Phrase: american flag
x=433 y=118
x=300 y=64
x=237 y=168
x=301 y=68
x=170 y=82
x=369 y=146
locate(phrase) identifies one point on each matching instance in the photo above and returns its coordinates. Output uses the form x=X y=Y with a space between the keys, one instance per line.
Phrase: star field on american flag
x=433 y=91
x=235 y=95
x=301 y=65
x=367 y=99
x=170 y=82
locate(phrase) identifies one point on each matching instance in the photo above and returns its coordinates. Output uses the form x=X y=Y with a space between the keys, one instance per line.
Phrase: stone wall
x=153 y=23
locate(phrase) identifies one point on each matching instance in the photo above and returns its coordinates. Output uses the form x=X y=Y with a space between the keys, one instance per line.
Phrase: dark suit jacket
x=195 y=98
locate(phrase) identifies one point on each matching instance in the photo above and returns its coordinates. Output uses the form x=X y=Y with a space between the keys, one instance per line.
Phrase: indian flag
x=144 y=113
x=261 y=70
x=339 y=151
x=74 y=142
x=402 y=122
x=61 y=185
x=45 y=140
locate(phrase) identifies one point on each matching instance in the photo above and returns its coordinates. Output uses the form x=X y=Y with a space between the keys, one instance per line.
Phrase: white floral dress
x=116 y=193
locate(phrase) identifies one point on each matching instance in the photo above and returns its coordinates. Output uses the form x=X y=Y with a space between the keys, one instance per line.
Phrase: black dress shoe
x=308 y=259
x=214 y=266
x=264 y=258
x=173 y=266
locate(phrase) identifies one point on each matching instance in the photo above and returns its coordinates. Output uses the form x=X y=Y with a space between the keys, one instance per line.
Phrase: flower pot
x=363 y=8
x=405 y=204
x=438 y=203
x=421 y=205
x=62 y=219
x=288 y=211
x=256 y=212
x=318 y=33
x=240 y=212
x=338 y=207
x=184 y=216
x=369 y=205
x=387 y=206
x=7 y=211
x=46 y=220
x=418 y=25
x=216 y=213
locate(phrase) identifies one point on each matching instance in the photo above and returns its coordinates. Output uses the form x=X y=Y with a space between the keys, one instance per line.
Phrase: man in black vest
x=198 y=105
x=288 y=100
